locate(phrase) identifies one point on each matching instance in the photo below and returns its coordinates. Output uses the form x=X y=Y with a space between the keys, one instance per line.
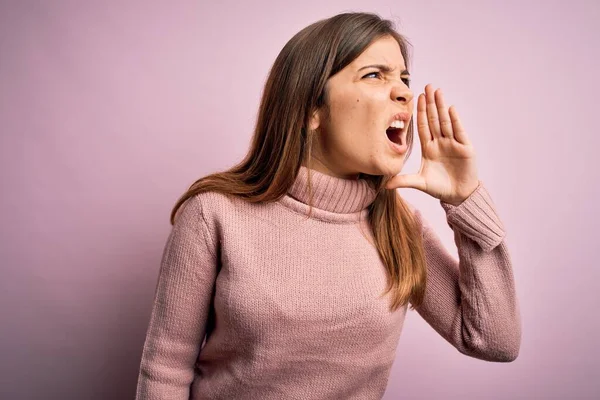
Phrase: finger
x=445 y=122
x=457 y=128
x=432 y=115
x=414 y=181
x=422 y=123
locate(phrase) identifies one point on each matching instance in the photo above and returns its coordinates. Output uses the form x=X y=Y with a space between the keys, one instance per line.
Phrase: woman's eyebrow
x=384 y=68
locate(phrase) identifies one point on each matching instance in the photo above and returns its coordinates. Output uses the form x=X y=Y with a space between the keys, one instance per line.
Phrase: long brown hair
x=281 y=143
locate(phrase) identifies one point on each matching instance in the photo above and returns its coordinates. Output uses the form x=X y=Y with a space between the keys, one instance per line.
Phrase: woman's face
x=363 y=99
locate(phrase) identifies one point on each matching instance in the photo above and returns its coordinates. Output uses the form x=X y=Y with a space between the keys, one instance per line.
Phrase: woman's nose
x=401 y=92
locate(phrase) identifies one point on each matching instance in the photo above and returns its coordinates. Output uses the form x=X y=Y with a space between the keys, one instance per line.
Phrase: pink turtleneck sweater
x=290 y=307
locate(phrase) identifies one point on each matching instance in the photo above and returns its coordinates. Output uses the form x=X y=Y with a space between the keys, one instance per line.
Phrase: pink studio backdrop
x=109 y=110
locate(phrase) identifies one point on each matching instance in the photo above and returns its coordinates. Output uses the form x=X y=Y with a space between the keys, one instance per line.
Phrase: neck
x=331 y=193
x=317 y=165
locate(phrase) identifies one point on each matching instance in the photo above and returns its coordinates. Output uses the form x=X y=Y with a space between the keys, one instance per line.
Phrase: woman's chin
x=396 y=164
x=391 y=168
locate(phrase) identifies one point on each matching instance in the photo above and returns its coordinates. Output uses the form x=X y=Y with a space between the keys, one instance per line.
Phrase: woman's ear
x=315 y=120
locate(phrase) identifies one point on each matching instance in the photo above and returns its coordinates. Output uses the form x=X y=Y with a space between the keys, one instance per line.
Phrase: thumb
x=414 y=181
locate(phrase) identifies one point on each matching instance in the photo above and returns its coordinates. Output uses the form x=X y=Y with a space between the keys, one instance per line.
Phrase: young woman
x=288 y=276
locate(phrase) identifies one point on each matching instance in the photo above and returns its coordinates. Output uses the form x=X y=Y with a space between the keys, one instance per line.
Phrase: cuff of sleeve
x=476 y=217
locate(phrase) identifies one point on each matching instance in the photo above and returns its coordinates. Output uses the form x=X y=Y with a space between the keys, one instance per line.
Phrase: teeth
x=397 y=124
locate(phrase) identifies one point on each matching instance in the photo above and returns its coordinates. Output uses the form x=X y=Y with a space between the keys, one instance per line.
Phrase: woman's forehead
x=383 y=51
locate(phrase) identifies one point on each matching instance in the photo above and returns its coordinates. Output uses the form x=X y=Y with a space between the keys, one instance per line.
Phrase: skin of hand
x=448 y=171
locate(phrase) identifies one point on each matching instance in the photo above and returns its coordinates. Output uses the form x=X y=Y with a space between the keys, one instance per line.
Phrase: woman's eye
x=378 y=74
x=372 y=73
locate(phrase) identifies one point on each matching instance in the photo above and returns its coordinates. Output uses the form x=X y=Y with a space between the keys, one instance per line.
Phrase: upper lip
x=404 y=116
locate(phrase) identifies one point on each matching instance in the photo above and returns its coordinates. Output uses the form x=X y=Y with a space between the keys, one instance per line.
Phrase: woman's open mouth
x=397 y=138
x=395 y=135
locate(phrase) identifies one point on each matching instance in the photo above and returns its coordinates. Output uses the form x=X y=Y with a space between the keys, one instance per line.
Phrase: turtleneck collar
x=333 y=194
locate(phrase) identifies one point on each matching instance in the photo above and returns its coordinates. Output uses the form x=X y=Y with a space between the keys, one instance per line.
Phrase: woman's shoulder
x=216 y=207
x=210 y=198
x=213 y=203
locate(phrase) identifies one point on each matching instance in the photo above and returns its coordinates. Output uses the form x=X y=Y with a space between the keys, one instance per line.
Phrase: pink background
x=109 y=110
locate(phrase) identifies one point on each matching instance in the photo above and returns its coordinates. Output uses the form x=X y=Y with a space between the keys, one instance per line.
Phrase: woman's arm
x=472 y=302
x=181 y=306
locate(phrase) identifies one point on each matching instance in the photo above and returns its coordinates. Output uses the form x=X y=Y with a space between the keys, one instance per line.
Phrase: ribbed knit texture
x=291 y=306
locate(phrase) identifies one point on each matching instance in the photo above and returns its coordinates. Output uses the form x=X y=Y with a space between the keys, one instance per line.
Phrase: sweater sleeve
x=471 y=302
x=180 y=309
